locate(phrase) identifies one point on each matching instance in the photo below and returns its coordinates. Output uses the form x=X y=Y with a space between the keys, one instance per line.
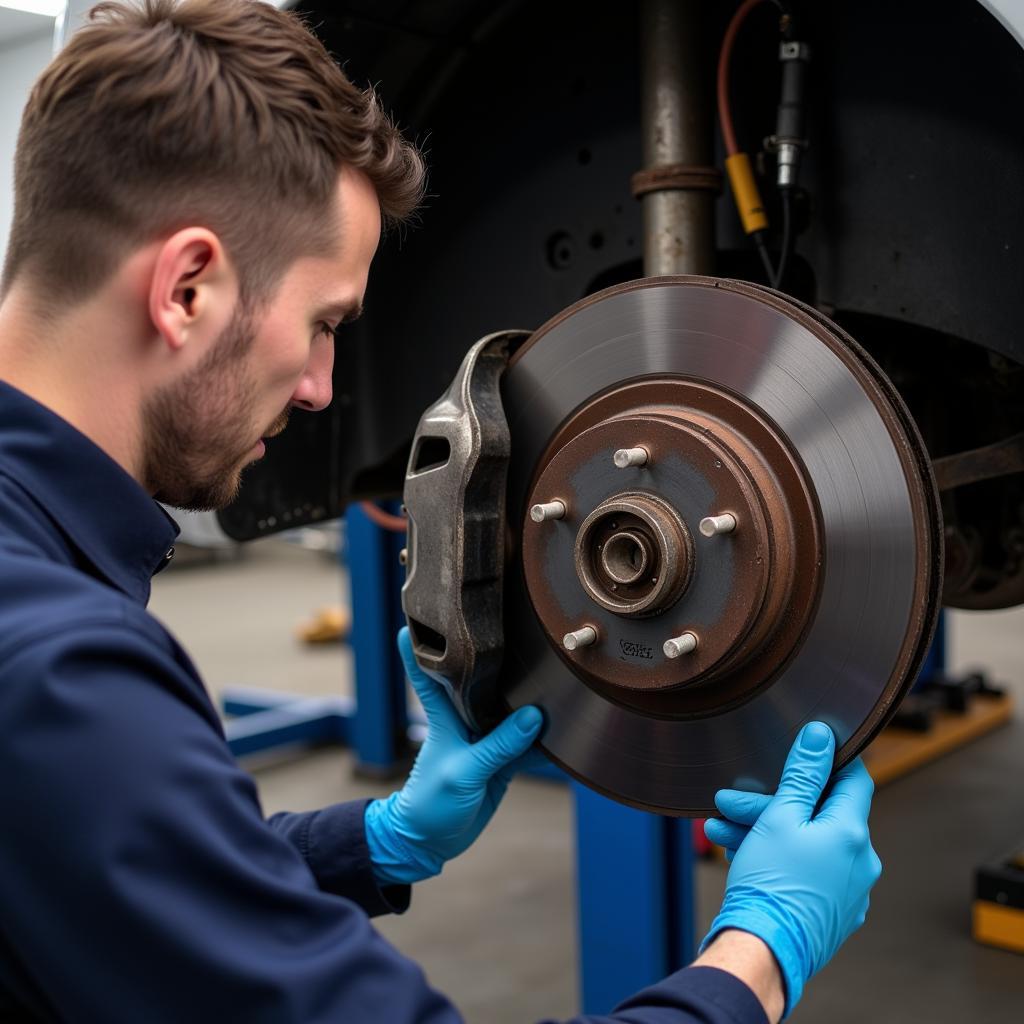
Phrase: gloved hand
x=453 y=790
x=739 y=809
x=799 y=880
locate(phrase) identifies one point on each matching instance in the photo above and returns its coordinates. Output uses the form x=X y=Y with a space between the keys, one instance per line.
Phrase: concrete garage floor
x=496 y=931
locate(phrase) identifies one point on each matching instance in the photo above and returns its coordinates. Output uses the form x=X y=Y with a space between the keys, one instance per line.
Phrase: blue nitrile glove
x=739 y=809
x=453 y=790
x=799 y=879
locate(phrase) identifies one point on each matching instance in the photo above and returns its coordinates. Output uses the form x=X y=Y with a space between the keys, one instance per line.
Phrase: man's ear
x=193 y=288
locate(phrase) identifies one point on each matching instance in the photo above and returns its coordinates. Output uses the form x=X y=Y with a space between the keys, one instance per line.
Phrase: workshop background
x=498 y=931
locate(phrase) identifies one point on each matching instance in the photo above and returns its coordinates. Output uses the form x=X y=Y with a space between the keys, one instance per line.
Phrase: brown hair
x=162 y=114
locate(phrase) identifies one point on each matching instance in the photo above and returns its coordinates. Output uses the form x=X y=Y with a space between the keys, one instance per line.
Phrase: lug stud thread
x=583 y=637
x=680 y=645
x=712 y=525
x=626 y=457
x=547 y=510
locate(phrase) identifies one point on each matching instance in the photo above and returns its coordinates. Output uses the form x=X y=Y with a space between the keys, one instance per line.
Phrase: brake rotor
x=736 y=532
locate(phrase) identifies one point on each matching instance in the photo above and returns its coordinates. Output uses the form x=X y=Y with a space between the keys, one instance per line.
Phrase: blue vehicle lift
x=634 y=882
x=634 y=869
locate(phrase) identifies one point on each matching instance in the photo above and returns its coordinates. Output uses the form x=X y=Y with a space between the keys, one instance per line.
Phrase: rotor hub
x=710 y=533
x=633 y=554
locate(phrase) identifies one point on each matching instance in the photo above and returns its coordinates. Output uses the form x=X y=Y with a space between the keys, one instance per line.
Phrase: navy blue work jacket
x=139 y=880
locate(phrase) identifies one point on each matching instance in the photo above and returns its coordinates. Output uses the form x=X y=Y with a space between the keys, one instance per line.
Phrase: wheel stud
x=680 y=645
x=583 y=637
x=725 y=523
x=626 y=457
x=548 y=510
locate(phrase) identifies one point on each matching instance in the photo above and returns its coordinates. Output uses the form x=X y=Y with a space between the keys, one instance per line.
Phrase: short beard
x=192 y=429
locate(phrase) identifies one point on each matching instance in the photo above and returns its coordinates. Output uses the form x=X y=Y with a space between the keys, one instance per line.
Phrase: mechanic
x=199 y=194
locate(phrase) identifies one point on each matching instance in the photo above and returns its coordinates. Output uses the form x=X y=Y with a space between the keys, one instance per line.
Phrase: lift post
x=635 y=886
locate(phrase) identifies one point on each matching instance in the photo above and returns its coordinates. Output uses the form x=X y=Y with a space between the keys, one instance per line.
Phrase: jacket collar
x=102 y=511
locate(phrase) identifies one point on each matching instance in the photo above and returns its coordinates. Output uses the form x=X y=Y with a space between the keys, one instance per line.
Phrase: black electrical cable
x=762 y=251
x=787 y=238
x=788 y=130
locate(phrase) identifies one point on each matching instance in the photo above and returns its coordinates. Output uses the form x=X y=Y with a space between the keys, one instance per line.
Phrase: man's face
x=203 y=429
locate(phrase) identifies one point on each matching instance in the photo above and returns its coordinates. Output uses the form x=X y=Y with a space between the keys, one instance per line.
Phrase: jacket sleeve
x=138 y=878
x=332 y=841
x=695 y=995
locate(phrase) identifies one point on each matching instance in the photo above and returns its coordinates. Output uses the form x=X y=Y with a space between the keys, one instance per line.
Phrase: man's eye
x=325 y=328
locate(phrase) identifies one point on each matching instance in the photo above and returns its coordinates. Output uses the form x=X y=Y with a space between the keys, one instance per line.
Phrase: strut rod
x=677 y=186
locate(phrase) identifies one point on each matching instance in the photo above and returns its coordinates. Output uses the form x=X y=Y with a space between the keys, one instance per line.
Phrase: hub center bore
x=625 y=556
x=634 y=555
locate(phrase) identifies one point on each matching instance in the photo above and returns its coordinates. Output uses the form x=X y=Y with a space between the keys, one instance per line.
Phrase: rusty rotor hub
x=633 y=554
x=630 y=540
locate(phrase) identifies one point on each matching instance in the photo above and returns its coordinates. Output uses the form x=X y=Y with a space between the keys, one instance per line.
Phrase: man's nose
x=314 y=390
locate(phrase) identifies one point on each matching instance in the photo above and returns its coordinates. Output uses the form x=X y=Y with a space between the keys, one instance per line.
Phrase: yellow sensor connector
x=744 y=191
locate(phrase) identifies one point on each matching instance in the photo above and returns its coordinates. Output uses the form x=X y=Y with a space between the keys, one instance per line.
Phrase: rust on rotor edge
x=778 y=548
x=913 y=458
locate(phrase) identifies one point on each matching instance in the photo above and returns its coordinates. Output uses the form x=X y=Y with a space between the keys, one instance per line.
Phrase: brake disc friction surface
x=819 y=605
